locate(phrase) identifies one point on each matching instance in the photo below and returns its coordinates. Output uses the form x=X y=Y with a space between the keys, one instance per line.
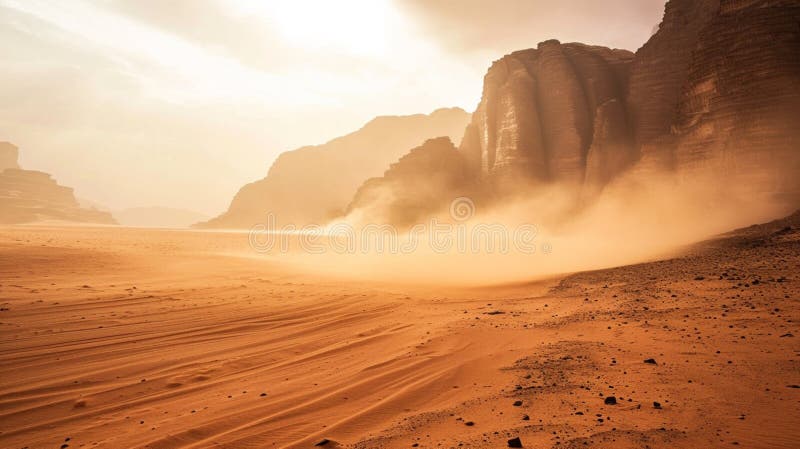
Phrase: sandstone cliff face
x=314 y=184
x=422 y=182
x=739 y=109
x=29 y=196
x=548 y=112
x=715 y=89
x=661 y=67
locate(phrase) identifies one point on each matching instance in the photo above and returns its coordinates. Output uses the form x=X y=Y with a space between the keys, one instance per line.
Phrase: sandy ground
x=121 y=338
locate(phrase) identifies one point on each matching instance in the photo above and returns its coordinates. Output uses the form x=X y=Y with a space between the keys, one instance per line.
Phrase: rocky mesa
x=28 y=196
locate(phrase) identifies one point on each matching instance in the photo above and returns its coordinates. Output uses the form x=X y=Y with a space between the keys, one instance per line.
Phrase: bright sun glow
x=355 y=27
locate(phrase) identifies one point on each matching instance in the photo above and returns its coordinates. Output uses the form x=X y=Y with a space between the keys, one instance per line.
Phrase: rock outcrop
x=739 y=109
x=661 y=67
x=419 y=184
x=716 y=90
x=549 y=113
x=314 y=184
x=29 y=196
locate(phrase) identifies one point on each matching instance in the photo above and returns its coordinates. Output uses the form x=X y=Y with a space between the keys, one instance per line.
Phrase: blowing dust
x=551 y=231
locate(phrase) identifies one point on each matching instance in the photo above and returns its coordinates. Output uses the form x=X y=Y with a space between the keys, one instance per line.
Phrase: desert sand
x=118 y=338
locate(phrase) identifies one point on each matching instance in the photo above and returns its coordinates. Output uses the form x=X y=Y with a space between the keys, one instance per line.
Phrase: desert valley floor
x=120 y=338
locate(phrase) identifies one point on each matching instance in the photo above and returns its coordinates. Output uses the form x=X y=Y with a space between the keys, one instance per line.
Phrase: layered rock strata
x=715 y=90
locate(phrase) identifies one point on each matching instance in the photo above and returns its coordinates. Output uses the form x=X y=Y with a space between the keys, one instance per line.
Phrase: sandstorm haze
x=390 y=224
x=143 y=103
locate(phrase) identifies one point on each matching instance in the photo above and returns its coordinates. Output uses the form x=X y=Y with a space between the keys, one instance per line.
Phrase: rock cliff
x=28 y=196
x=314 y=184
x=547 y=112
x=661 y=67
x=739 y=108
x=421 y=183
x=715 y=89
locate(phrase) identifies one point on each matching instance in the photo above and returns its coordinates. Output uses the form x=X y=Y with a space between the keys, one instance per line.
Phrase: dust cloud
x=538 y=233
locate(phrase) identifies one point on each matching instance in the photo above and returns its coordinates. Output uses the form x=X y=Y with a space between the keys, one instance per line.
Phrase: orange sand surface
x=121 y=338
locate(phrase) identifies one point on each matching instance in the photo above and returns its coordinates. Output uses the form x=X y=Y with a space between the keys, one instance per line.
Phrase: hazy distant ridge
x=315 y=183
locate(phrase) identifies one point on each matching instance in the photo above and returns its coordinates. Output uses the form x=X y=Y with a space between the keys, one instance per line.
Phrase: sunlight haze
x=140 y=103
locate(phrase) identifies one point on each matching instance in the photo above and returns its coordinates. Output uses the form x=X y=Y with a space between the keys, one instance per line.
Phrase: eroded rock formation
x=739 y=109
x=314 y=184
x=661 y=67
x=546 y=111
x=29 y=196
x=419 y=184
x=715 y=89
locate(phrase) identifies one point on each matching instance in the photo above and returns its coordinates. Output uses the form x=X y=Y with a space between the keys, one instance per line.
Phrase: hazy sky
x=179 y=102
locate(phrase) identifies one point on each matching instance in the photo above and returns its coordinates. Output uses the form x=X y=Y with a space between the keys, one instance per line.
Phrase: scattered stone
x=515 y=442
x=611 y=400
x=323 y=442
x=517 y=403
x=651 y=361
x=656 y=405
x=469 y=423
